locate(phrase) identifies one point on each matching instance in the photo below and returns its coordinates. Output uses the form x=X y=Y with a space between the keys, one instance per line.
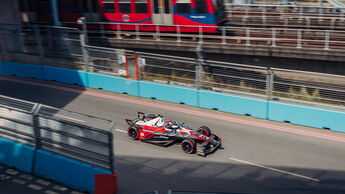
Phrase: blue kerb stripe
x=114 y=21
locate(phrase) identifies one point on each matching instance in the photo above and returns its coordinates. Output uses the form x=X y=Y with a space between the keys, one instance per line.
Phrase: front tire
x=205 y=131
x=188 y=146
x=133 y=133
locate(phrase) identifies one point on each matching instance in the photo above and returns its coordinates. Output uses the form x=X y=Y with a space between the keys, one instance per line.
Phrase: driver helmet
x=171 y=124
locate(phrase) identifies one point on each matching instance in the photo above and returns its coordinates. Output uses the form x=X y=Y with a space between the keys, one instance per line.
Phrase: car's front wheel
x=204 y=130
x=133 y=132
x=188 y=146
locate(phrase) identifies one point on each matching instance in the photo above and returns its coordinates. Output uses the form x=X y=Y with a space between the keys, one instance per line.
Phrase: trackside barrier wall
x=113 y=84
x=169 y=93
x=233 y=104
x=312 y=117
x=16 y=155
x=64 y=170
x=67 y=76
x=301 y=115
x=22 y=70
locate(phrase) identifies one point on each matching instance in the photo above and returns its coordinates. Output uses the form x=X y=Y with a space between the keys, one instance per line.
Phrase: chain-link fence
x=81 y=137
x=35 y=44
x=73 y=52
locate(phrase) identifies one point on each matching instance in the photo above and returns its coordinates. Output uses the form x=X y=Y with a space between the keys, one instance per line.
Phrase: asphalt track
x=259 y=156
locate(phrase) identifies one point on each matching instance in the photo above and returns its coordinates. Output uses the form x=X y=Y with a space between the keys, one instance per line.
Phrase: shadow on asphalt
x=139 y=175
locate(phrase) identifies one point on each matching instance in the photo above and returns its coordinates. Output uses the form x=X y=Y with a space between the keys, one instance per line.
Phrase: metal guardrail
x=81 y=137
x=58 y=46
x=222 y=77
x=285 y=10
x=247 y=36
x=286 y=16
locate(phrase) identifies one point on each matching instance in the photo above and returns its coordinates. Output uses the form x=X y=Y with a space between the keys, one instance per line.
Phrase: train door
x=162 y=12
x=91 y=10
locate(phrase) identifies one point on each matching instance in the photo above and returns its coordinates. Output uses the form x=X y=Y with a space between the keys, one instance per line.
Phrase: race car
x=154 y=128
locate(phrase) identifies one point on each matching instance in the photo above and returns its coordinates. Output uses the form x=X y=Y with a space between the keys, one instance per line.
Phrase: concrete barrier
x=66 y=171
x=113 y=84
x=67 y=76
x=233 y=104
x=16 y=155
x=168 y=93
x=22 y=70
x=307 y=116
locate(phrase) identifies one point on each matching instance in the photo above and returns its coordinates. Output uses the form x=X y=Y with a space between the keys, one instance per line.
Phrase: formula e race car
x=155 y=129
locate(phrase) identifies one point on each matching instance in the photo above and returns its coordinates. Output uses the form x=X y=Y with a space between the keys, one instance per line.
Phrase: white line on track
x=274 y=169
x=119 y=130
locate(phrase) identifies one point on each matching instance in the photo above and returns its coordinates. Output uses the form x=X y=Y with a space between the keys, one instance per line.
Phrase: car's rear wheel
x=205 y=130
x=133 y=132
x=188 y=146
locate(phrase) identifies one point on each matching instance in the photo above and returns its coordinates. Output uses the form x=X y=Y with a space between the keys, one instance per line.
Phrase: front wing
x=207 y=147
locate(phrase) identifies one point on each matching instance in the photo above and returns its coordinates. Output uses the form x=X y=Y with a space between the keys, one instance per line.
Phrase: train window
x=167 y=6
x=155 y=7
x=183 y=6
x=141 y=6
x=125 y=6
x=109 y=6
x=200 y=7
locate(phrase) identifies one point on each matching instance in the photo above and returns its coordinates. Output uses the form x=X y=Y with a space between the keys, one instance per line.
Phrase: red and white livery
x=158 y=130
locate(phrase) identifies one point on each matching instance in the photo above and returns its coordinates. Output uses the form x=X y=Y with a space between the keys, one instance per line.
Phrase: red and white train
x=188 y=14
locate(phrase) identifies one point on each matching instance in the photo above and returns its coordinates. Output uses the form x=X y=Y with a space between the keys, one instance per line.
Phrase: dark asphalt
x=255 y=158
x=13 y=181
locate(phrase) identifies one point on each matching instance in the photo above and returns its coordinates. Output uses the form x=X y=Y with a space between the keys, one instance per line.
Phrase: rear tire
x=188 y=146
x=205 y=130
x=133 y=133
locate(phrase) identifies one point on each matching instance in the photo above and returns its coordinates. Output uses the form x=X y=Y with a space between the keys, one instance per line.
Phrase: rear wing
x=141 y=115
x=129 y=122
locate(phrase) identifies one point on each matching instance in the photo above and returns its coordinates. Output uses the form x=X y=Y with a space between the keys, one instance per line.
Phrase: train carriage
x=145 y=14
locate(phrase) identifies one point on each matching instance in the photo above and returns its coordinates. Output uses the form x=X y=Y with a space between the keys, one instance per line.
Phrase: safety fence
x=77 y=136
x=73 y=149
x=221 y=77
x=281 y=10
x=62 y=40
x=57 y=46
x=219 y=35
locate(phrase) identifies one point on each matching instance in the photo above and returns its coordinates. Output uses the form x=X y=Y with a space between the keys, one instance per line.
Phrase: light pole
x=200 y=60
x=84 y=42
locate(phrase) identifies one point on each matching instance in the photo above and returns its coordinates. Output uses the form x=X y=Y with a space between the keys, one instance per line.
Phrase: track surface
x=259 y=156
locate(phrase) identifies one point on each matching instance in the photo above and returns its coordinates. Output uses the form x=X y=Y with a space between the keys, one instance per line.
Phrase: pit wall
x=276 y=111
